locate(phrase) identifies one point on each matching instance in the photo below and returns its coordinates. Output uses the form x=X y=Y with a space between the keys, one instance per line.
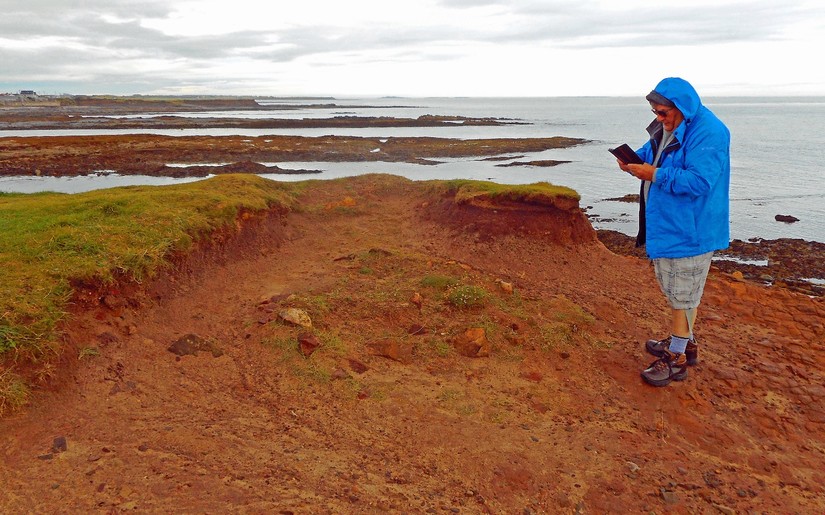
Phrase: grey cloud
x=40 y=18
x=120 y=8
x=293 y=43
x=100 y=36
x=581 y=24
x=112 y=51
x=160 y=45
x=472 y=3
x=563 y=23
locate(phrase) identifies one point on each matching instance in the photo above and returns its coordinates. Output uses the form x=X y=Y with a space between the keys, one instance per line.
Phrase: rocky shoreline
x=150 y=154
x=791 y=263
x=179 y=122
x=794 y=264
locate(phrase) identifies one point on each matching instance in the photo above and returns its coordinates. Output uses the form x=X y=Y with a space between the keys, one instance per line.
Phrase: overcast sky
x=410 y=48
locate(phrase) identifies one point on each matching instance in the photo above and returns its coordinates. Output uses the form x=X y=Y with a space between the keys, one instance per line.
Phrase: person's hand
x=643 y=171
x=623 y=165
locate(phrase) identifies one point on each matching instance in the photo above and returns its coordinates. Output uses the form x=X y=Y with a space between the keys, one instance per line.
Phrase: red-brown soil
x=386 y=415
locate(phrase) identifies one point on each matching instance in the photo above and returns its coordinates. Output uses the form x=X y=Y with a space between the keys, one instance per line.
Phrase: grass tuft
x=567 y=325
x=438 y=282
x=466 y=297
x=541 y=193
x=13 y=392
x=88 y=352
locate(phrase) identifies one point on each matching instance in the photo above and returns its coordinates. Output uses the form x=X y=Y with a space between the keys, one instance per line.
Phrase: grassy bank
x=49 y=240
x=542 y=193
x=52 y=241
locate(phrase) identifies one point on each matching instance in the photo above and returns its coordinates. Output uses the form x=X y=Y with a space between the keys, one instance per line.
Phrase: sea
x=777 y=152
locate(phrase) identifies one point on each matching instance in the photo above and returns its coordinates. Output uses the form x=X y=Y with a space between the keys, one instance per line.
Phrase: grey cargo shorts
x=682 y=280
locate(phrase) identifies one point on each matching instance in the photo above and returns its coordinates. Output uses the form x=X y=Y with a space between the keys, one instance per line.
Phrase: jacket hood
x=681 y=93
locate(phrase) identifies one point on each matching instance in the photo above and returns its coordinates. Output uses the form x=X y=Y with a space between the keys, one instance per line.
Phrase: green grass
x=568 y=324
x=438 y=282
x=309 y=370
x=542 y=193
x=442 y=348
x=51 y=241
x=466 y=297
x=14 y=392
x=88 y=352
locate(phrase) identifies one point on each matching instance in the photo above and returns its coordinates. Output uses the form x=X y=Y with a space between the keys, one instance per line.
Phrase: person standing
x=684 y=213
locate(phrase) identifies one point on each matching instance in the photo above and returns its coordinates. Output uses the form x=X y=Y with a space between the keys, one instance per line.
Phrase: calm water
x=778 y=150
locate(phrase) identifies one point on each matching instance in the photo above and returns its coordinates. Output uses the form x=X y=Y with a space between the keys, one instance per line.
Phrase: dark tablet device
x=626 y=154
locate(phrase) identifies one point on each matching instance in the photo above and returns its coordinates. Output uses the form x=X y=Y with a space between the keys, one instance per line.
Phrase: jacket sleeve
x=703 y=162
x=646 y=153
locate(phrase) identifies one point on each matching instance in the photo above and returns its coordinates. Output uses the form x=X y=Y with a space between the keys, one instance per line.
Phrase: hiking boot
x=670 y=367
x=658 y=348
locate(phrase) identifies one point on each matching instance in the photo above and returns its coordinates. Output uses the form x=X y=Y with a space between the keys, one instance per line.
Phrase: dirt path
x=387 y=416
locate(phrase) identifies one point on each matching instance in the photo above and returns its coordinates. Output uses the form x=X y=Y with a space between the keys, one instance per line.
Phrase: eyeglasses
x=661 y=113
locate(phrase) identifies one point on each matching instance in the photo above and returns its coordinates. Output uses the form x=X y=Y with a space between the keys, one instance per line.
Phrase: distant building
x=28 y=93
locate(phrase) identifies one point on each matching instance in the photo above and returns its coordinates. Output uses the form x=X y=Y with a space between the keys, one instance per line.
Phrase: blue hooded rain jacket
x=687 y=208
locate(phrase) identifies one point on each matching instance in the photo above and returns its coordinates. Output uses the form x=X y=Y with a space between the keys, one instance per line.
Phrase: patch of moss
x=465 y=297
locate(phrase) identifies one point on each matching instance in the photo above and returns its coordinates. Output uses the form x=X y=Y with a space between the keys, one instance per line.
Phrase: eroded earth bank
x=461 y=358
